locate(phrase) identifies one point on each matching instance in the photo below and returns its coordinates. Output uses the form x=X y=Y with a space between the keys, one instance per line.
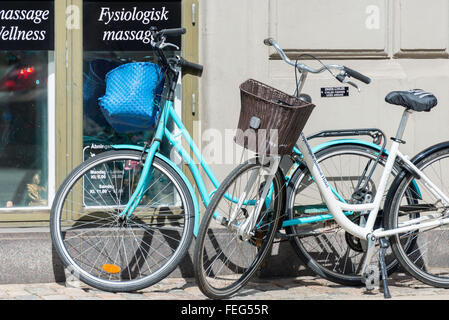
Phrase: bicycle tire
x=234 y=269
x=330 y=252
x=427 y=262
x=146 y=247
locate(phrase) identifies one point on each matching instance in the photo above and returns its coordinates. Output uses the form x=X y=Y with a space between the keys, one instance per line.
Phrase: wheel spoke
x=115 y=252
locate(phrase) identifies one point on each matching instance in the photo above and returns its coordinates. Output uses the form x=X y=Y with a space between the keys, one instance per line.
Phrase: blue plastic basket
x=132 y=98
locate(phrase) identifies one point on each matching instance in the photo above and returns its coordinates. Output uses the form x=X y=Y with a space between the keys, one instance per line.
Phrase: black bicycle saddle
x=416 y=99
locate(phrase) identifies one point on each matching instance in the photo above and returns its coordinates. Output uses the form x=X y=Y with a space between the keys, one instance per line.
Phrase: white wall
x=406 y=47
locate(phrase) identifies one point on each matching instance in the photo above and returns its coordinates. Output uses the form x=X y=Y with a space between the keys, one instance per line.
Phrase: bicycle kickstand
x=384 y=244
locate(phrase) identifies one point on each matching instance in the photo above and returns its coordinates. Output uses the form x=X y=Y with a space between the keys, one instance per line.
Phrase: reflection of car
x=20 y=77
x=24 y=80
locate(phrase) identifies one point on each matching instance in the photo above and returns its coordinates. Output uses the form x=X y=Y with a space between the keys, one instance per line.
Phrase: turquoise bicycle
x=125 y=218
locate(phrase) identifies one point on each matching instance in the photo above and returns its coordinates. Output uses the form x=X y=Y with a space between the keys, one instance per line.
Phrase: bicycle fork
x=245 y=230
x=142 y=185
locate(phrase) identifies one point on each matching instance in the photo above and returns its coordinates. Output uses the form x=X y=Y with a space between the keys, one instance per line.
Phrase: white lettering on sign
x=14 y=32
x=147 y=16
x=335 y=92
x=36 y=16
x=144 y=16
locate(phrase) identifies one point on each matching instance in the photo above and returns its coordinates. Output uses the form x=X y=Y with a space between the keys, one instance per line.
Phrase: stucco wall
x=403 y=52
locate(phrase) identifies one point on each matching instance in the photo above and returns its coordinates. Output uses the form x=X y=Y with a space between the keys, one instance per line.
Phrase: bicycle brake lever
x=352 y=84
x=167 y=44
x=342 y=78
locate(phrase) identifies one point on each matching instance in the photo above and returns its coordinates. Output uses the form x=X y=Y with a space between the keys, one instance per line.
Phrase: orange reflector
x=110 y=268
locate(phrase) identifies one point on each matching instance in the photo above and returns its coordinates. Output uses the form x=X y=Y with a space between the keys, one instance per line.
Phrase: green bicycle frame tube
x=161 y=132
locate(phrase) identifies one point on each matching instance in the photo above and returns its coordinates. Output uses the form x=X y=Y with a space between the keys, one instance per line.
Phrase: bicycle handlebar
x=158 y=41
x=171 y=32
x=268 y=42
x=357 y=75
x=190 y=67
x=302 y=67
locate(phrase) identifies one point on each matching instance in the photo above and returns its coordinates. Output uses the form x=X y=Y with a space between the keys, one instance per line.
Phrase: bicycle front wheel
x=428 y=261
x=112 y=251
x=223 y=260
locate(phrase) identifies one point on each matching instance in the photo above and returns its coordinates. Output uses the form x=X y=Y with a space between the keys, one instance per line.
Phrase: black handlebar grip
x=268 y=42
x=357 y=75
x=190 y=67
x=173 y=32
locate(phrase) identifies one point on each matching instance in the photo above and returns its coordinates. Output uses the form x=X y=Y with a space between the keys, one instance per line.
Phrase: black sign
x=97 y=182
x=125 y=26
x=334 y=92
x=27 y=25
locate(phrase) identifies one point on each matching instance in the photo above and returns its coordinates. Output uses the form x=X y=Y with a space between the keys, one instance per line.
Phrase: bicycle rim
x=110 y=251
x=428 y=260
x=325 y=247
x=224 y=262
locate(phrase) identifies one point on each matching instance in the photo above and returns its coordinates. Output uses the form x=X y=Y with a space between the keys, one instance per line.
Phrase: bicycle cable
x=296 y=68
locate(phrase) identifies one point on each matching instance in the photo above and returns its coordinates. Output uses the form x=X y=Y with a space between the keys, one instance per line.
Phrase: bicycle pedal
x=371 y=278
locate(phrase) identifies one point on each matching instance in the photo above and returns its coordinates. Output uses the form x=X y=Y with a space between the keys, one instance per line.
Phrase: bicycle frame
x=316 y=209
x=336 y=206
x=168 y=112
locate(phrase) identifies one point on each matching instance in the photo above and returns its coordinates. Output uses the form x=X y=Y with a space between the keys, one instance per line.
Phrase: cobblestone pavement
x=303 y=288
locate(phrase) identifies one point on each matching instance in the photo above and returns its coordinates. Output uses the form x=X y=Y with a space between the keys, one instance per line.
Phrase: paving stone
x=110 y=296
x=133 y=296
x=40 y=291
x=17 y=292
x=74 y=292
x=304 y=288
x=86 y=298
x=27 y=297
x=57 y=297
x=193 y=290
x=159 y=296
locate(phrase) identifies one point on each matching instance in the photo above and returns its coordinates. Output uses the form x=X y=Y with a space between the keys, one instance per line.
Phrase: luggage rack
x=376 y=134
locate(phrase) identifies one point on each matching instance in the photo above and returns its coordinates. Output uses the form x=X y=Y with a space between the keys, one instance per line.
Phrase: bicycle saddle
x=416 y=99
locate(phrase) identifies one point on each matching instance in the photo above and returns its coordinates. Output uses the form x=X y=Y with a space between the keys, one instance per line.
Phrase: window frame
x=65 y=114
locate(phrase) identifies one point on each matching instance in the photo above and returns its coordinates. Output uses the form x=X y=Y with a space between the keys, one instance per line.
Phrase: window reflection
x=96 y=129
x=23 y=128
x=98 y=133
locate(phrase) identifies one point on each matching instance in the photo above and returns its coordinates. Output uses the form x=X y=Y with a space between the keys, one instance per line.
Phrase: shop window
x=115 y=33
x=26 y=95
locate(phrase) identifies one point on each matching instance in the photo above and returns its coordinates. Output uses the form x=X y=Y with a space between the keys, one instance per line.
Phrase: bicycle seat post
x=402 y=125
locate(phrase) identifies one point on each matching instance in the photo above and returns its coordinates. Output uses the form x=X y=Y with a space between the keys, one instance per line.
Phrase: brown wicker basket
x=270 y=120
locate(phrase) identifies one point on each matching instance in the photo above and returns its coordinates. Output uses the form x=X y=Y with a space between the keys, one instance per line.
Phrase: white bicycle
x=413 y=223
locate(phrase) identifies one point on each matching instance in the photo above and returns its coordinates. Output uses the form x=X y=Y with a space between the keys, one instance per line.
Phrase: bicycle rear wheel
x=113 y=252
x=428 y=261
x=223 y=261
x=324 y=246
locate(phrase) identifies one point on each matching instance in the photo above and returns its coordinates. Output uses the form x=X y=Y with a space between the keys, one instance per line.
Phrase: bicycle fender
x=415 y=160
x=361 y=143
x=181 y=174
x=435 y=148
